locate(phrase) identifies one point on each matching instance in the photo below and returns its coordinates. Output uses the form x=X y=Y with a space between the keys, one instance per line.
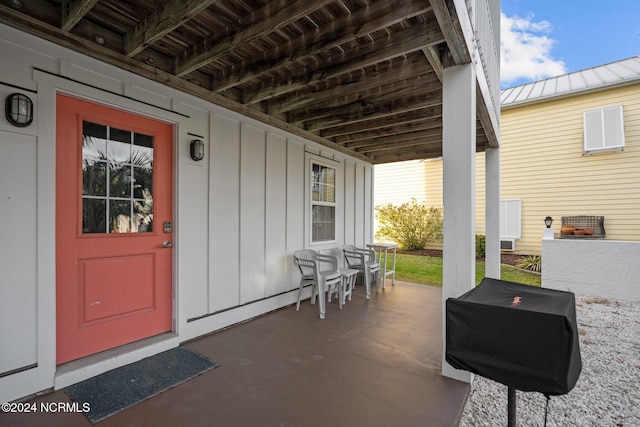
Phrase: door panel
x=131 y=276
x=113 y=193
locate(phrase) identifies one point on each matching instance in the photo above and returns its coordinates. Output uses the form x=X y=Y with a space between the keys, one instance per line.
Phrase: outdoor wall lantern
x=547 y=221
x=18 y=110
x=197 y=149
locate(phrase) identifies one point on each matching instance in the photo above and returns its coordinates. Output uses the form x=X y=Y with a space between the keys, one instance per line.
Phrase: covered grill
x=521 y=336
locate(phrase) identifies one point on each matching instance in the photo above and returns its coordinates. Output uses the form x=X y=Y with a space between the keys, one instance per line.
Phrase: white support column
x=492 y=213
x=459 y=188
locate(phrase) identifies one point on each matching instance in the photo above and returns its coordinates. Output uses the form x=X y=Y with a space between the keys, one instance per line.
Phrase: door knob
x=166 y=244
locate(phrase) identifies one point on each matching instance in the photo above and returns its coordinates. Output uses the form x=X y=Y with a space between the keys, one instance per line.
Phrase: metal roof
x=613 y=74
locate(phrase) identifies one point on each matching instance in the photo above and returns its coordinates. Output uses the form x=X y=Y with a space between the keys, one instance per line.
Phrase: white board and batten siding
x=18 y=244
x=259 y=213
x=239 y=214
x=19 y=167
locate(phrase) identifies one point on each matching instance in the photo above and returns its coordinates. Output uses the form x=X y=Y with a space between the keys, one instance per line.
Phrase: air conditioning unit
x=507 y=244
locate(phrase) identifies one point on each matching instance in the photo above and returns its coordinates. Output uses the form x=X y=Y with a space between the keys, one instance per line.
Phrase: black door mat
x=122 y=388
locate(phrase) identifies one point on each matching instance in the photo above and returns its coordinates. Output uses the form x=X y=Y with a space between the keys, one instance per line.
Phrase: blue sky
x=546 y=38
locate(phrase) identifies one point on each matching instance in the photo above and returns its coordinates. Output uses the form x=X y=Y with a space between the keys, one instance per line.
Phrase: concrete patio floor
x=373 y=363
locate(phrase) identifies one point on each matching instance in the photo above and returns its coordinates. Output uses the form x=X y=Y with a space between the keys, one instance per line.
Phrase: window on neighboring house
x=603 y=130
x=510 y=211
x=323 y=202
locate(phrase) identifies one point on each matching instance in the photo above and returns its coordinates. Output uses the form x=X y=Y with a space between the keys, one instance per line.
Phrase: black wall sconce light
x=197 y=150
x=547 y=221
x=18 y=109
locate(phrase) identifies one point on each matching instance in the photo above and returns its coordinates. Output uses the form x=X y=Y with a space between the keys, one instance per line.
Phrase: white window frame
x=603 y=130
x=313 y=160
x=510 y=227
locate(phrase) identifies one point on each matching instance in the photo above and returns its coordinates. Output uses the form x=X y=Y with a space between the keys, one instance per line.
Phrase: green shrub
x=411 y=225
x=480 y=245
x=531 y=263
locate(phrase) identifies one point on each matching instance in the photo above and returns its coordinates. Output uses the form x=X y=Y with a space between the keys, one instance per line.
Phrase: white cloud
x=525 y=50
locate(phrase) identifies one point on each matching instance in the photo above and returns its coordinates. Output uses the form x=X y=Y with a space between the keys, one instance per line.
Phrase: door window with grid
x=117 y=178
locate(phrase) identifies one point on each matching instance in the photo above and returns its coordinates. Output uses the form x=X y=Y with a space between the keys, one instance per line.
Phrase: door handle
x=166 y=244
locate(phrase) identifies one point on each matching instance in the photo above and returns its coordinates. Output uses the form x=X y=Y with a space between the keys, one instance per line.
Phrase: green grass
x=428 y=271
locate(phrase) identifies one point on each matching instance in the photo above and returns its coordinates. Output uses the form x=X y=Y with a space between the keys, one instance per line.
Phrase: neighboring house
x=176 y=154
x=398 y=188
x=570 y=146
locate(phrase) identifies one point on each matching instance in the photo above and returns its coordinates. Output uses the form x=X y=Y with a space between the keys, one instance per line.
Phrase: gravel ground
x=607 y=392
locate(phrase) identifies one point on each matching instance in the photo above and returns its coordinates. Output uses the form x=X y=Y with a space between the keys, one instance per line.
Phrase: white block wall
x=601 y=268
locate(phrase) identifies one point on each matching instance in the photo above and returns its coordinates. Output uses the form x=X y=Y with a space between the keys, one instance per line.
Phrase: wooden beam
x=164 y=20
x=392 y=92
x=397 y=44
x=352 y=117
x=415 y=145
x=433 y=57
x=359 y=23
x=400 y=140
x=270 y=18
x=410 y=116
x=417 y=153
x=367 y=136
x=72 y=11
x=455 y=41
x=393 y=71
x=379 y=108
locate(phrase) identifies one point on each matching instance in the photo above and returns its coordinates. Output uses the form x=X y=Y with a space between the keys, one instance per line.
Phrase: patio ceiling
x=360 y=76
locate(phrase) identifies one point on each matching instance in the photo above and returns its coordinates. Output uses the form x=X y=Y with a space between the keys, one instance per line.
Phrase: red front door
x=113 y=228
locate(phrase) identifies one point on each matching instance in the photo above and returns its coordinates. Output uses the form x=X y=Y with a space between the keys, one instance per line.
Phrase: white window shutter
x=510 y=219
x=593 y=136
x=603 y=130
x=613 y=127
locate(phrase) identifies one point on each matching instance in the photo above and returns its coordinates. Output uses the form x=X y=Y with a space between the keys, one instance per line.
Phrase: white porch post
x=492 y=213
x=459 y=187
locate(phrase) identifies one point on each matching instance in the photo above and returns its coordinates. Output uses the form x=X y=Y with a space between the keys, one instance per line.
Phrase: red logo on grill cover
x=516 y=301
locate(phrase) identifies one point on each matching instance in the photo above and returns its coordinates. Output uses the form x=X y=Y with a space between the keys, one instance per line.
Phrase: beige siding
x=429 y=184
x=398 y=183
x=434 y=191
x=433 y=171
x=541 y=163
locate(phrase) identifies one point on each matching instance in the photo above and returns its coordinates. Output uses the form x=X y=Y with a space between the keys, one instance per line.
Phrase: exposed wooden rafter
x=412 y=115
x=400 y=43
x=358 y=82
x=433 y=57
x=343 y=30
x=450 y=31
x=363 y=77
x=73 y=11
x=425 y=139
x=261 y=22
x=173 y=14
x=357 y=139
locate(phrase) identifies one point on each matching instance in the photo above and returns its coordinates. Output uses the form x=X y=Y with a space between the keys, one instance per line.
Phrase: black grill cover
x=521 y=336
